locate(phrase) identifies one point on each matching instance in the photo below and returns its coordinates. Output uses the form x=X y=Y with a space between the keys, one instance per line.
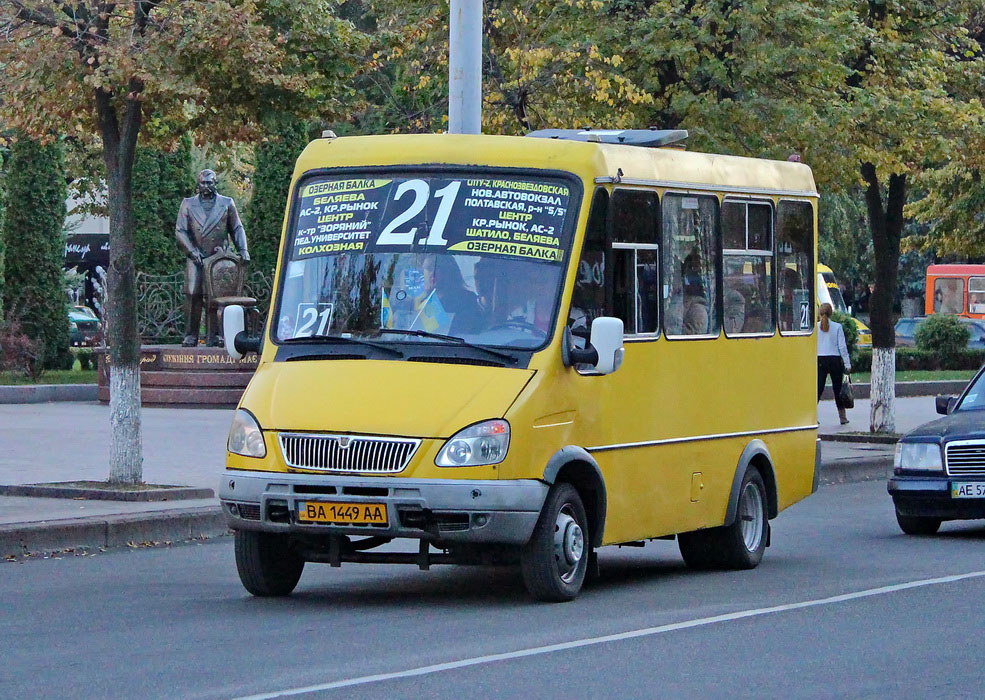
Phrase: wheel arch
x=755 y=455
x=575 y=466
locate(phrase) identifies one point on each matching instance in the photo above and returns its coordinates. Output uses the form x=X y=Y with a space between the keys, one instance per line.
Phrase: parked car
x=939 y=468
x=906 y=331
x=83 y=326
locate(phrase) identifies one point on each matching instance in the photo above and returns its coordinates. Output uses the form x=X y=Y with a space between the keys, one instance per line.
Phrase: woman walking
x=832 y=357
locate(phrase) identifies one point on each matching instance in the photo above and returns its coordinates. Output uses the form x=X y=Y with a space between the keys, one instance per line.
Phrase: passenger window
x=747 y=236
x=689 y=265
x=795 y=266
x=588 y=297
x=633 y=231
x=976 y=295
x=948 y=295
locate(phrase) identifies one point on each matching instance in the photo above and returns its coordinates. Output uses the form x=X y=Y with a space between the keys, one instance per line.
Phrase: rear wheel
x=555 y=560
x=737 y=546
x=917 y=525
x=266 y=563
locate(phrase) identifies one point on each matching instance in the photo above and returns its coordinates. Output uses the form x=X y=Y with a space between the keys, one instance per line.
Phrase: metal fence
x=161 y=301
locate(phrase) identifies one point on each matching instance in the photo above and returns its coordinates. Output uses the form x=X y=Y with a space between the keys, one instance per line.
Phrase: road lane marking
x=617 y=637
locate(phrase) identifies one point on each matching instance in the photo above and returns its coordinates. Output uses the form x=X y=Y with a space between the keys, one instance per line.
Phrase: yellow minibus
x=516 y=350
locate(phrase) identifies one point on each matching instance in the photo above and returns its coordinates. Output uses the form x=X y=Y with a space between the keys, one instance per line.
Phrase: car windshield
x=837 y=301
x=477 y=258
x=975 y=398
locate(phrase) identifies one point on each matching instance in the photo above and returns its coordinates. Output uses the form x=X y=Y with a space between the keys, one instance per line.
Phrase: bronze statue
x=207 y=223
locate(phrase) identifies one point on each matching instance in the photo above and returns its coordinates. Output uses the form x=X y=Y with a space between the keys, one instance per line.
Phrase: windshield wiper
x=320 y=339
x=454 y=339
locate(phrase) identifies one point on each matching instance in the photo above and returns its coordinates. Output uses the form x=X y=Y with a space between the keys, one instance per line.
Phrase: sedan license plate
x=968 y=489
x=342 y=513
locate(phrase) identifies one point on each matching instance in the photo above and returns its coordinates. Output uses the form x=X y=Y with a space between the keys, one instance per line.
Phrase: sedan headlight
x=476 y=445
x=923 y=456
x=245 y=436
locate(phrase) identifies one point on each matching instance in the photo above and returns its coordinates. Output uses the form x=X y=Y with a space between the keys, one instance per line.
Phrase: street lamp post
x=465 y=67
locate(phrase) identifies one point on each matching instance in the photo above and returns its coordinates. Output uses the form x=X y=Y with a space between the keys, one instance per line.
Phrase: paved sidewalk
x=70 y=441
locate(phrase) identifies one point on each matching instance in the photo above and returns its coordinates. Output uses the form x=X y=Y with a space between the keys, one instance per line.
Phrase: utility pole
x=465 y=67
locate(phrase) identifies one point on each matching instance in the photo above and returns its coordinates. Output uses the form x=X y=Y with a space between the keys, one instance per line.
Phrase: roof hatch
x=649 y=138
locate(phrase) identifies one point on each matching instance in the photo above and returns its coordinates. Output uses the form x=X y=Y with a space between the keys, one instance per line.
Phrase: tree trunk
x=886 y=226
x=119 y=145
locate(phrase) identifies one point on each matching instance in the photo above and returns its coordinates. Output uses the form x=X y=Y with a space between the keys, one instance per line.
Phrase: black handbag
x=847 y=395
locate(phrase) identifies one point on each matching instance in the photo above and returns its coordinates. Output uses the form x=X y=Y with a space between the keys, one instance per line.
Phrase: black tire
x=737 y=546
x=551 y=571
x=266 y=564
x=917 y=524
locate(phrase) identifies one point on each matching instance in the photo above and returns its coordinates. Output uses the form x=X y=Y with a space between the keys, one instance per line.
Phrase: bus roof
x=955 y=270
x=601 y=162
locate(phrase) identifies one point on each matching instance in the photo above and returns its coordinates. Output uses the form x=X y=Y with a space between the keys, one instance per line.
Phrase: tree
x=3 y=208
x=546 y=64
x=264 y=215
x=175 y=66
x=843 y=240
x=160 y=181
x=905 y=113
x=35 y=248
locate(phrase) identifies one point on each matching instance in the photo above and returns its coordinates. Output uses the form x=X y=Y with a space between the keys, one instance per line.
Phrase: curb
x=950 y=386
x=882 y=439
x=112 y=531
x=855 y=470
x=55 y=490
x=42 y=393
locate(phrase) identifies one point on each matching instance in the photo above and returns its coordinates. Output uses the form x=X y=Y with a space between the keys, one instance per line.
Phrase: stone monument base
x=172 y=375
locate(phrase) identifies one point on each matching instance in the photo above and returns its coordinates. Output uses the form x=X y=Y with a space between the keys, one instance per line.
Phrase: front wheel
x=266 y=563
x=737 y=546
x=917 y=525
x=554 y=561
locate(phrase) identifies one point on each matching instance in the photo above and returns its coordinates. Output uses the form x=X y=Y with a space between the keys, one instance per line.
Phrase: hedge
x=35 y=248
x=913 y=358
x=264 y=215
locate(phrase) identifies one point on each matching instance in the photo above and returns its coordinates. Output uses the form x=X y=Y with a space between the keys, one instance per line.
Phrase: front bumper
x=930 y=496
x=442 y=510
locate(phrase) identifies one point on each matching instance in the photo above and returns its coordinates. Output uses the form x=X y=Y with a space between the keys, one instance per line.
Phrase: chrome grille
x=346 y=453
x=965 y=457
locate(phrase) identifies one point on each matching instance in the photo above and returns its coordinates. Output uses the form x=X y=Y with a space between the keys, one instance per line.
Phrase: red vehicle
x=956 y=289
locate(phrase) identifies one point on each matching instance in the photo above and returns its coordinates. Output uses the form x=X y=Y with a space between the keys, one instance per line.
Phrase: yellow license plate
x=343 y=513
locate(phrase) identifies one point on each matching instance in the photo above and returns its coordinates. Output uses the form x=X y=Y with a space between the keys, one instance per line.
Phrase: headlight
x=73 y=325
x=482 y=443
x=245 y=437
x=925 y=456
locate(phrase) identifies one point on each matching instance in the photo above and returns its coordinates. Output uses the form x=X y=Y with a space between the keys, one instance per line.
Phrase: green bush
x=915 y=358
x=943 y=334
x=851 y=333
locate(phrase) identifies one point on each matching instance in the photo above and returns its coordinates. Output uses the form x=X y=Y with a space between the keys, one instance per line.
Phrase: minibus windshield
x=480 y=259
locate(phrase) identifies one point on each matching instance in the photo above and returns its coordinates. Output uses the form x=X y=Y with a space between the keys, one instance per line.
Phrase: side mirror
x=234 y=333
x=945 y=404
x=605 y=350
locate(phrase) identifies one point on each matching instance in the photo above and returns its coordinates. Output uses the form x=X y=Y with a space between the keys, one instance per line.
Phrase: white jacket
x=832 y=344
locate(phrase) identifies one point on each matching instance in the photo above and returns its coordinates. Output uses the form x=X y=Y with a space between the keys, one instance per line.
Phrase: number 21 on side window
x=313 y=319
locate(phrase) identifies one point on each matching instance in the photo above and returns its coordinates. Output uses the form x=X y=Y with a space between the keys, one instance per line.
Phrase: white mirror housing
x=607 y=333
x=233 y=323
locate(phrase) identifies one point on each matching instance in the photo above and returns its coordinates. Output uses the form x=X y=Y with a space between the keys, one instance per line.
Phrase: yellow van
x=828 y=292
x=516 y=350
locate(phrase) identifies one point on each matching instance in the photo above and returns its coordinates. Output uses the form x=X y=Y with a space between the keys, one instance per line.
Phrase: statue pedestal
x=171 y=375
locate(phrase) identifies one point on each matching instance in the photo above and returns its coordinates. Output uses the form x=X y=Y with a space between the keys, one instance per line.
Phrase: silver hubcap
x=752 y=516
x=569 y=543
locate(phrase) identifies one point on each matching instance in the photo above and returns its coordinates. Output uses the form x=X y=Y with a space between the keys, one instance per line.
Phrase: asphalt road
x=842 y=605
